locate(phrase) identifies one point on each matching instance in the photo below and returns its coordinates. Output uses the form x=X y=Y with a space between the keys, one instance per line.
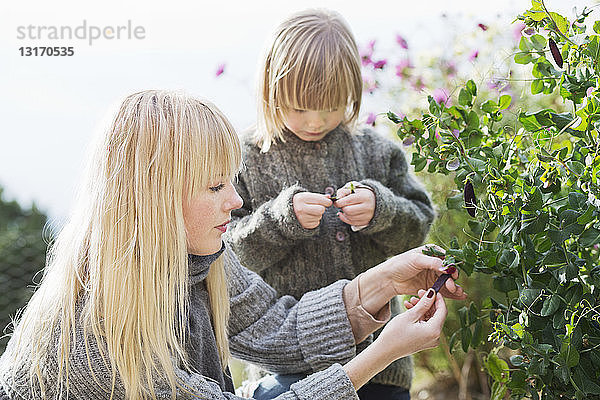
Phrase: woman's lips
x=223 y=227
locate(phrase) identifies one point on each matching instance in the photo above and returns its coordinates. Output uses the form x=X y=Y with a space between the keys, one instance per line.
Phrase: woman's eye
x=217 y=187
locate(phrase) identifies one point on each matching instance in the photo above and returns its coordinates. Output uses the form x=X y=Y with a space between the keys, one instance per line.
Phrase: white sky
x=51 y=106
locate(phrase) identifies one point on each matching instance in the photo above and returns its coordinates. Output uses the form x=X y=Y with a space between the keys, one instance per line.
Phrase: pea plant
x=532 y=193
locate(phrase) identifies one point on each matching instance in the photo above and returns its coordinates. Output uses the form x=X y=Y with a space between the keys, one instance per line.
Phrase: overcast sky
x=51 y=106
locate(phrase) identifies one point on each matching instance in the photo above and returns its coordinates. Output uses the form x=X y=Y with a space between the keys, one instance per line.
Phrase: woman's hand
x=410 y=271
x=417 y=329
x=309 y=208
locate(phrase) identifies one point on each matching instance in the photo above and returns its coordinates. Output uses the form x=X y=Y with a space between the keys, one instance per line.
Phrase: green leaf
x=550 y=306
x=523 y=58
x=455 y=202
x=536 y=224
x=539 y=42
x=497 y=368
x=504 y=102
x=466 y=339
x=472 y=87
x=464 y=98
x=587 y=217
x=597 y=26
x=529 y=122
x=393 y=117
x=589 y=237
x=534 y=202
x=477 y=334
x=489 y=107
x=561 y=22
x=537 y=86
x=569 y=354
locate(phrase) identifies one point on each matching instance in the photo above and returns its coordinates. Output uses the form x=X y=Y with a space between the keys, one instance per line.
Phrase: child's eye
x=217 y=187
x=297 y=110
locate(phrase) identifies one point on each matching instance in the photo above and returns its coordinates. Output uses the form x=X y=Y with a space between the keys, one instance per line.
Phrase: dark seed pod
x=470 y=199
x=555 y=53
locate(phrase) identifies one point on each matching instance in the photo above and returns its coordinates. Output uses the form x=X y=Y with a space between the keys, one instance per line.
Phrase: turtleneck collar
x=199 y=265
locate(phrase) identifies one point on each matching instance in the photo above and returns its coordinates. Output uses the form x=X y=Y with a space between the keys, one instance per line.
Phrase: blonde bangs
x=217 y=153
x=322 y=77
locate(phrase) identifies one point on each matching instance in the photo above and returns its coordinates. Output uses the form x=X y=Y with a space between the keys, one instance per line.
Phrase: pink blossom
x=455 y=133
x=474 y=54
x=371 y=119
x=418 y=83
x=402 y=68
x=482 y=26
x=517 y=31
x=379 y=64
x=440 y=95
x=450 y=69
x=220 y=70
x=402 y=42
x=367 y=52
x=369 y=84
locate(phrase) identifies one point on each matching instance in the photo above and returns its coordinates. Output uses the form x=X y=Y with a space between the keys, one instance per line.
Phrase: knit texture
x=268 y=239
x=279 y=333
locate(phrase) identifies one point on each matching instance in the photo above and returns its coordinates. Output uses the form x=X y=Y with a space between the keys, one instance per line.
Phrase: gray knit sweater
x=282 y=334
x=267 y=237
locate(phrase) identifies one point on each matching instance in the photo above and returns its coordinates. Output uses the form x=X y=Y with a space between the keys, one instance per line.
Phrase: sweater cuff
x=363 y=323
x=332 y=383
x=384 y=214
x=324 y=331
x=283 y=213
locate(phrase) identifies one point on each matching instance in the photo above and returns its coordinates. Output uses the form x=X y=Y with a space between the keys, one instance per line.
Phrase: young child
x=322 y=199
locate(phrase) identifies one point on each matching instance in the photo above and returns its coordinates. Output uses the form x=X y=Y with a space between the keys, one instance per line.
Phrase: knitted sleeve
x=403 y=209
x=263 y=236
x=282 y=334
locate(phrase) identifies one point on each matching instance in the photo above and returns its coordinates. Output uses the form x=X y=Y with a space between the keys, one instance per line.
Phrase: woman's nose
x=234 y=200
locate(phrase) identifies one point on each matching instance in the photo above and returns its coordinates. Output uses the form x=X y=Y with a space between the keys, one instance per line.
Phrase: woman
x=141 y=300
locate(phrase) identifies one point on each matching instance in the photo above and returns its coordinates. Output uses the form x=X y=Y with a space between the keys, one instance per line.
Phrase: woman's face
x=206 y=217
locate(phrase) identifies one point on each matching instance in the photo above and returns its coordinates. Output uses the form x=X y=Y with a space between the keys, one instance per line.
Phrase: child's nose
x=315 y=119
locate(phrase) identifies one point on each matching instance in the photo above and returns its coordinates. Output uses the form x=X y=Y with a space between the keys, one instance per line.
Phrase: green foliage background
x=22 y=255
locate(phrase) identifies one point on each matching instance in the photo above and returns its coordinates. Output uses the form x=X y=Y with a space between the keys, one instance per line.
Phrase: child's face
x=312 y=125
x=206 y=217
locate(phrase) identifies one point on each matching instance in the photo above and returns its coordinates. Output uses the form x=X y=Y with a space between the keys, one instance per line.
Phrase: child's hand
x=357 y=204
x=309 y=208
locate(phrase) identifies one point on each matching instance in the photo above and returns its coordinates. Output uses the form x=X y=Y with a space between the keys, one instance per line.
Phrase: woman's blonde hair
x=313 y=64
x=119 y=268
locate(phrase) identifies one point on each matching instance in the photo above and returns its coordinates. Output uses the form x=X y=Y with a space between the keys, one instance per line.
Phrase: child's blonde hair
x=119 y=268
x=312 y=64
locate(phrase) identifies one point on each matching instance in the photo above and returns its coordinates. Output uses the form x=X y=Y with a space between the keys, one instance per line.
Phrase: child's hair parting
x=312 y=63
x=118 y=272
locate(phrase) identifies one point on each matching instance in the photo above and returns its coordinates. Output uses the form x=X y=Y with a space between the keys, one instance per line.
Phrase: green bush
x=532 y=195
x=22 y=255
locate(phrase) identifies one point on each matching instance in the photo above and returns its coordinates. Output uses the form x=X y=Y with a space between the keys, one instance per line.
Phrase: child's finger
x=344 y=218
x=318 y=198
x=313 y=210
